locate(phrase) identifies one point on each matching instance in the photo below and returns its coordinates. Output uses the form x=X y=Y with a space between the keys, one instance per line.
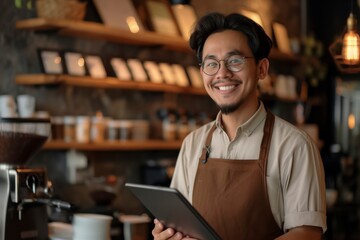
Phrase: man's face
x=230 y=90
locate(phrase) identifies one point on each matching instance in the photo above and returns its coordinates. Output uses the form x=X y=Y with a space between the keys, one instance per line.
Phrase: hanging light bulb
x=351 y=121
x=351 y=42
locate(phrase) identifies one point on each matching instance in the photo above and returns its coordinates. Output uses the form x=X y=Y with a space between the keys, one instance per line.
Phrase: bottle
x=97 y=128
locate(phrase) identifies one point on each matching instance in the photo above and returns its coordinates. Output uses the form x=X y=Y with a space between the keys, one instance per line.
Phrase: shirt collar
x=250 y=125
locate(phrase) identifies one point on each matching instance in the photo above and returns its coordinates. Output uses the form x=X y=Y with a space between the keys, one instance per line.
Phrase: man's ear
x=263 y=68
x=201 y=72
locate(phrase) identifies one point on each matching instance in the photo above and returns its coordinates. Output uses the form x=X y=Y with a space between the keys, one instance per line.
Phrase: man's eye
x=235 y=61
x=211 y=64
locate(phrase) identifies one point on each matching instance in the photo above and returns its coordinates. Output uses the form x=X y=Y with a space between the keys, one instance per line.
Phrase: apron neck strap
x=265 y=143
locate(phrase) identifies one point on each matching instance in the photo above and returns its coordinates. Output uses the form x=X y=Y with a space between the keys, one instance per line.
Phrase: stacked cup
x=91 y=226
x=8 y=106
x=26 y=105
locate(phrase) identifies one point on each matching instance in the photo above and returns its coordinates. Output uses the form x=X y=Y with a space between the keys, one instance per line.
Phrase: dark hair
x=259 y=43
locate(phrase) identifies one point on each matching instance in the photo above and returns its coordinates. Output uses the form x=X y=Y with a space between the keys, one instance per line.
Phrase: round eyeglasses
x=234 y=63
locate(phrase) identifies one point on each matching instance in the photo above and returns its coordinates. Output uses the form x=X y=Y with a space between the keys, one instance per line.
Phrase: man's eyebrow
x=210 y=56
x=228 y=54
x=234 y=52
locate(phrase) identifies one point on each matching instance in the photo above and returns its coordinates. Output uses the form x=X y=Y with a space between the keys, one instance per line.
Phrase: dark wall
x=327 y=24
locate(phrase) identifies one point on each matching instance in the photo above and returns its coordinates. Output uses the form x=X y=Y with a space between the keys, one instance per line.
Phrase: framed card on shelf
x=185 y=17
x=120 y=68
x=167 y=73
x=95 y=66
x=119 y=14
x=51 y=62
x=281 y=38
x=153 y=71
x=180 y=75
x=161 y=17
x=75 y=63
x=195 y=76
x=252 y=15
x=137 y=70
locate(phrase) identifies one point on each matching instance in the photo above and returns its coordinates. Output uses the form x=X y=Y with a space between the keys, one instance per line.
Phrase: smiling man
x=250 y=174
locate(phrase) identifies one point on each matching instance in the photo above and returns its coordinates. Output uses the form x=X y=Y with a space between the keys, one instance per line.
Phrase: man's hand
x=159 y=233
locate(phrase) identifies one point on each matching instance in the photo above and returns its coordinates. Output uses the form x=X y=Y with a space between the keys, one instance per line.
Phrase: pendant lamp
x=351 y=42
x=346 y=51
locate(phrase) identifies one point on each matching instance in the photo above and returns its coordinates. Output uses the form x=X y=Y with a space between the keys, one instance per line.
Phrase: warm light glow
x=350 y=51
x=133 y=25
x=81 y=62
x=57 y=60
x=351 y=121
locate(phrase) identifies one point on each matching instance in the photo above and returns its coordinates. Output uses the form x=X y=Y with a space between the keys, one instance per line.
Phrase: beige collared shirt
x=295 y=174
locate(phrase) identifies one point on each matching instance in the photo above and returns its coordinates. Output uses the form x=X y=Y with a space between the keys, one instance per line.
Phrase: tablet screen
x=173 y=210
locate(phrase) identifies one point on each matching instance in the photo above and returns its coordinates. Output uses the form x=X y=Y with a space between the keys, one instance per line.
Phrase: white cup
x=7 y=106
x=91 y=226
x=26 y=105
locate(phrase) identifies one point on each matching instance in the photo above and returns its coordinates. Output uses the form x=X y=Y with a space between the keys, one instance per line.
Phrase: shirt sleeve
x=303 y=184
x=180 y=178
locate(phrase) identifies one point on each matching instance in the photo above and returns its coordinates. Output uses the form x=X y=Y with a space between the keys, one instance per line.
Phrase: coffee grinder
x=23 y=190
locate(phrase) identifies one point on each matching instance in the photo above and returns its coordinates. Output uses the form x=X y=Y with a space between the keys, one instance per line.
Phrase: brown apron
x=232 y=194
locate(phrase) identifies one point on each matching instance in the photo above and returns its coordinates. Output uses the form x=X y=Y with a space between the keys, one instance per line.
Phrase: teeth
x=224 y=88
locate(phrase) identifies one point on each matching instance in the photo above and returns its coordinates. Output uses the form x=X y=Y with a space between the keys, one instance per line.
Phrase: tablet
x=173 y=210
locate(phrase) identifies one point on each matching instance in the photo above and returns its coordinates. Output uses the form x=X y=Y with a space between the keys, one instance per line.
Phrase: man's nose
x=224 y=70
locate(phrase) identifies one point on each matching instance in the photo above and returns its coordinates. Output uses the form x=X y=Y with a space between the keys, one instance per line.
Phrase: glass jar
x=57 y=128
x=125 y=128
x=69 y=128
x=112 y=130
x=183 y=128
x=140 y=130
x=170 y=128
x=83 y=129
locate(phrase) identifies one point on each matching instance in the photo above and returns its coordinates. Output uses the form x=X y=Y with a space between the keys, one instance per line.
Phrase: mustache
x=233 y=81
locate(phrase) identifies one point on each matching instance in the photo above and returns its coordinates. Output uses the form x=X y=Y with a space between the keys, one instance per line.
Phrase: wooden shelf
x=115 y=145
x=109 y=82
x=94 y=30
x=100 y=31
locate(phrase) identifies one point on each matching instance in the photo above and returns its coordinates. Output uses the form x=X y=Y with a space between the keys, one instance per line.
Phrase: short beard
x=227 y=109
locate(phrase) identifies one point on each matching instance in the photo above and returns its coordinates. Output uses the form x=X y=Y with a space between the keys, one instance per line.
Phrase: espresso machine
x=23 y=191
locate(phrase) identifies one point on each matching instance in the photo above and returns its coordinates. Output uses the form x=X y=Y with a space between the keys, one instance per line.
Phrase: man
x=250 y=174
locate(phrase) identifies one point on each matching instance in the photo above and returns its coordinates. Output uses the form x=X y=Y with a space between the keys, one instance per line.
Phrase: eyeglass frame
x=225 y=61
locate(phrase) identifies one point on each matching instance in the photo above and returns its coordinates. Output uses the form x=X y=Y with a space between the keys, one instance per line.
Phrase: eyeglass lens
x=233 y=63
